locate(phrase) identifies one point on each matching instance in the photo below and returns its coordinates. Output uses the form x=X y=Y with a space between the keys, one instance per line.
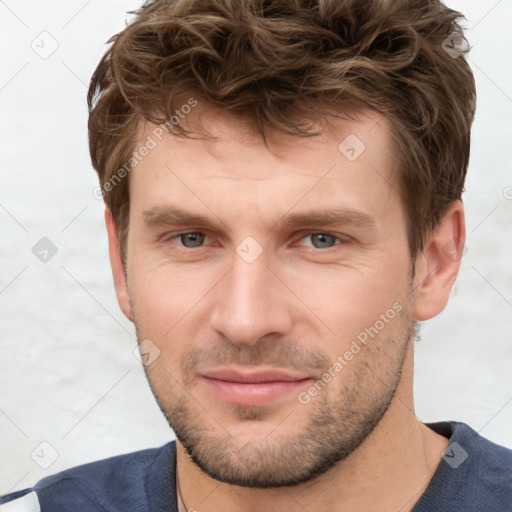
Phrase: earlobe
x=439 y=264
x=116 y=262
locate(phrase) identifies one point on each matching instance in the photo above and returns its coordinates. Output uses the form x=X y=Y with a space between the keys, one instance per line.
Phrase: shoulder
x=475 y=474
x=115 y=484
x=482 y=456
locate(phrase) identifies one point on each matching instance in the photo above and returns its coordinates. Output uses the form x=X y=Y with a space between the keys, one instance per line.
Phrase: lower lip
x=253 y=394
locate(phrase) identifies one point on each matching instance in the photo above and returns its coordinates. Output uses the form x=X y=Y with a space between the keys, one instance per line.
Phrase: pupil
x=321 y=241
x=192 y=239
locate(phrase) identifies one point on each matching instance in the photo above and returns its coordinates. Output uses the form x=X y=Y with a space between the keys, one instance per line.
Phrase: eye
x=190 y=240
x=321 y=240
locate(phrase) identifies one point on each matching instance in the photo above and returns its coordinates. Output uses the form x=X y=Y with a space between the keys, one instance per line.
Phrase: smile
x=251 y=388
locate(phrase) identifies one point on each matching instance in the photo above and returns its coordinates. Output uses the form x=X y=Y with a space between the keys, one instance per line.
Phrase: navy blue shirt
x=474 y=475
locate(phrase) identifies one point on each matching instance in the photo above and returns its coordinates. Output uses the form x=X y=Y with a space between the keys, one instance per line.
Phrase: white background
x=68 y=376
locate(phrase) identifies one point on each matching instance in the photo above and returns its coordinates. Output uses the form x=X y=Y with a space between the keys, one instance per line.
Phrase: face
x=274 y=285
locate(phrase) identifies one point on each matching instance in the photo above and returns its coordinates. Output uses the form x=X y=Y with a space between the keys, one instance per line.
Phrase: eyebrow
x=170 y=215
x=328 y=218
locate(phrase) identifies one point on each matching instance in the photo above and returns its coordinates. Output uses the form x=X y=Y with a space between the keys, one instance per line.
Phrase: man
x=282 y=184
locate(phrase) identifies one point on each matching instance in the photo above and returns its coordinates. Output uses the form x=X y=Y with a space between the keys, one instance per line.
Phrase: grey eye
x=322 y=241
x=192 y=239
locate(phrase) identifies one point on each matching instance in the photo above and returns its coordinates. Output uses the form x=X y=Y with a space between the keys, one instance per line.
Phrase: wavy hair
x=279 y=63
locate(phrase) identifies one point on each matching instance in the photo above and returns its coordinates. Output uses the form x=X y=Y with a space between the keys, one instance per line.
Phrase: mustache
x=279 y=354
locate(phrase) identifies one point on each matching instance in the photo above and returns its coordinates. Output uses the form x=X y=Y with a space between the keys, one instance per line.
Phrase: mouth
x=252 y=387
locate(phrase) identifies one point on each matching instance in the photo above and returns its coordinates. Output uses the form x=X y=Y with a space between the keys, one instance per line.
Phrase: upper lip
x=252 y=376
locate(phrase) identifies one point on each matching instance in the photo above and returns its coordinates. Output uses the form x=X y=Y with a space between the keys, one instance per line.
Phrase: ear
x=438 y=265
x=120 y=283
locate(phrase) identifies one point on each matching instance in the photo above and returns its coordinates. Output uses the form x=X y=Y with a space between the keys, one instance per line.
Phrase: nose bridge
x=248 y=286
x=250 y=305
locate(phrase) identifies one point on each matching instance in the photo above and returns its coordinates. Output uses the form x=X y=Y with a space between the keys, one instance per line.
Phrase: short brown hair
x=276 y=62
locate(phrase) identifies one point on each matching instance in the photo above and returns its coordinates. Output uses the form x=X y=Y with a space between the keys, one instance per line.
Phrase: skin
x=357 y=444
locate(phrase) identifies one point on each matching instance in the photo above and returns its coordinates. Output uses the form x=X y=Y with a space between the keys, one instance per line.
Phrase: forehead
x=351 y=160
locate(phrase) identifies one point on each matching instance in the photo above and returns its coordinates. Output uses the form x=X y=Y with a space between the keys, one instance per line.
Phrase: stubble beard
x=334 y=428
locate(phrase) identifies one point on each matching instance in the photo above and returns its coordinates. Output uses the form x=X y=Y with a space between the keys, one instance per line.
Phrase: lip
x=252 y=387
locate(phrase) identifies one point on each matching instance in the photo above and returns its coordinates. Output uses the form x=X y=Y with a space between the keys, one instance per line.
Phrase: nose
x=251 y=303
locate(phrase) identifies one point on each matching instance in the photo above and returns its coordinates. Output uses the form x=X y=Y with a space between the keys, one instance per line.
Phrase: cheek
x=332 y=302
x=349 y=300
x=165 y=297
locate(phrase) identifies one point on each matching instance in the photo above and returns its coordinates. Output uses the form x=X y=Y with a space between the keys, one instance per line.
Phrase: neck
x=390 y=470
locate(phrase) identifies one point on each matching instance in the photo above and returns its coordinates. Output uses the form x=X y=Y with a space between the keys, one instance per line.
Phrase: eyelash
x=342 y=240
